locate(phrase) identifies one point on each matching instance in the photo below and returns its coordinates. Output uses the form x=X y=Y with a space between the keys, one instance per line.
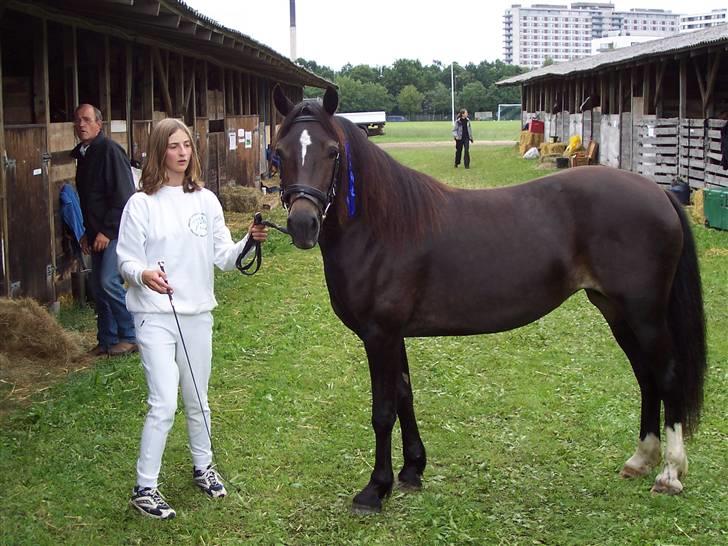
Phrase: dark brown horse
x=513 y=255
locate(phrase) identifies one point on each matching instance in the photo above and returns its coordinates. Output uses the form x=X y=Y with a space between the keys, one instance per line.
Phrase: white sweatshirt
x=187 y=232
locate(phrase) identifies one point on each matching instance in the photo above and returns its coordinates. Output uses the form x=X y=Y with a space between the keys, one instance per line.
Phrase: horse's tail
x=687 y=325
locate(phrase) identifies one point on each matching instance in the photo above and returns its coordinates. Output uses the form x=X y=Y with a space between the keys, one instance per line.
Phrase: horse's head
x=310 y=151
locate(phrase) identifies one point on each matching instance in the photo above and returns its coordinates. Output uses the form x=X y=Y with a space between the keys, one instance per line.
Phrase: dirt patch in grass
x=35 y=351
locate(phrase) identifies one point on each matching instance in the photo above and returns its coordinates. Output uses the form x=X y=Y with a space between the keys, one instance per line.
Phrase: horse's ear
x=331 y=100
x=283 y=104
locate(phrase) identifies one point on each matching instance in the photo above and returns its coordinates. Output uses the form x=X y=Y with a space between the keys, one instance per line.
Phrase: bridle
x=296 y=191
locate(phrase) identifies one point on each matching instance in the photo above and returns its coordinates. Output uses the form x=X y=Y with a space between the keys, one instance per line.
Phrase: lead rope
x=257 y=259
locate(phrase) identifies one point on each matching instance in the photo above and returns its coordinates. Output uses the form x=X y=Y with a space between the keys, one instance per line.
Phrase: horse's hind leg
x=413 y=450
x=647 y=455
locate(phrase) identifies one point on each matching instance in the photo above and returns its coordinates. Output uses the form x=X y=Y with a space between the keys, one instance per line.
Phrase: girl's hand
x=258 y=232
x=156 y=279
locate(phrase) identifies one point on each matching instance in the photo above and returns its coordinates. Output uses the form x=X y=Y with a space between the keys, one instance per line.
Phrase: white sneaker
x=150 y=502
x=209 y=481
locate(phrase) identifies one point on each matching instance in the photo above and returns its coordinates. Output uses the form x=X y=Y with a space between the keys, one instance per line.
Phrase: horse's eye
x=333 y=153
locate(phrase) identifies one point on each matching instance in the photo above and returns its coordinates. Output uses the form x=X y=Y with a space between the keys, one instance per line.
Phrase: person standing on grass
x=172 y=235
x=463 y=134
x=104 y=184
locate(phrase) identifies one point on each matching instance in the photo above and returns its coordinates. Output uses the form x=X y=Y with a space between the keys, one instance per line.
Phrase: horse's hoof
x=364 y=509
x=667 y=486
x=408 y=486
x=629 y=472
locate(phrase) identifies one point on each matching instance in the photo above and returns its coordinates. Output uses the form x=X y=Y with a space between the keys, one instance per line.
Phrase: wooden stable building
x=656 y=108
x=138 y=61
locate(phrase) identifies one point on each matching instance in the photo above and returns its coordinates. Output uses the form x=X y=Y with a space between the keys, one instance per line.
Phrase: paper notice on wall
x=232 y=140
x=241 y=136
x=248 y=139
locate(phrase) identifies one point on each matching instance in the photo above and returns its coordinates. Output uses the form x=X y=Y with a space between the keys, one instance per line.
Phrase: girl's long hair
x=154 y=173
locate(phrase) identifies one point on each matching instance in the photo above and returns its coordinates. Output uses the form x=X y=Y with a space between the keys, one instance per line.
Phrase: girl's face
x=179 y=152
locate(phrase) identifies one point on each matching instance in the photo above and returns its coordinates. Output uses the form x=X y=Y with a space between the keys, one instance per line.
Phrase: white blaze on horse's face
x=305 y=140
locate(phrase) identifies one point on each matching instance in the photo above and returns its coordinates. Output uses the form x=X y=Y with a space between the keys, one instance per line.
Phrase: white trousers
x=166 y=368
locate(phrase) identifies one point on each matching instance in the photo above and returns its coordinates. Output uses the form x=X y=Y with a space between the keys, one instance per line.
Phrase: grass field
x=525 y=430
x=436 y=131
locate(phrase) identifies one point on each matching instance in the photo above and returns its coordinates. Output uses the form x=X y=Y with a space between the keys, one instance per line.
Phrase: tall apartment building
x=702 y=20
x=563 y=33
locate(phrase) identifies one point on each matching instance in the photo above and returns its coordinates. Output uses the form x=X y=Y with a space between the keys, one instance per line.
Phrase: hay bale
x=240 y=199
x=35 y=351
x=31 y=333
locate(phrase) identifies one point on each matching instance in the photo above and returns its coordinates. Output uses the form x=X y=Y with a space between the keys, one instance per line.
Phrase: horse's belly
x=487 y=306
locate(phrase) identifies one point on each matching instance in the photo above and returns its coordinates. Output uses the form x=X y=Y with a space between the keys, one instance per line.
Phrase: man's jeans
x=114 y=322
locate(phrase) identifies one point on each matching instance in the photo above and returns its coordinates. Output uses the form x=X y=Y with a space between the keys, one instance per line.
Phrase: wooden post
x=240 y=93
x=105 y=84
x=179 y=88
x=74 y=47
x=3 y=196
x=52 y=197
x=646 y=91
x=164 y=84
x=224 y=94
x=659 y=75
x=204 y=91
x=683 y=106
x=128 y=101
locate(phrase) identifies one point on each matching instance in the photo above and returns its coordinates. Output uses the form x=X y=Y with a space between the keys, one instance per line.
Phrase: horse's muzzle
x=304 y=224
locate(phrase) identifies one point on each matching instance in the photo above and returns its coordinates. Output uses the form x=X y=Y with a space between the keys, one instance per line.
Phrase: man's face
x=86 y=125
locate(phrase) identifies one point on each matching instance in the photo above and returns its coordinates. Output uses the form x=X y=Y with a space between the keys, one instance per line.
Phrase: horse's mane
x=396 y=202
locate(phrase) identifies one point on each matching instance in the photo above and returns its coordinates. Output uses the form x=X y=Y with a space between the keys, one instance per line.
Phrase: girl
x=172 y=233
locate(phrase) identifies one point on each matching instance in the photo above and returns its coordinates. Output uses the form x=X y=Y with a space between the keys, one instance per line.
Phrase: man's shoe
x=150 y=502
x=209 y=481
x=123 y=348
x=99 y=351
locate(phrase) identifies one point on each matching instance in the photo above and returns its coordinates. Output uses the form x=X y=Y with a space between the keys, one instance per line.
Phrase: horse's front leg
x=384 y=354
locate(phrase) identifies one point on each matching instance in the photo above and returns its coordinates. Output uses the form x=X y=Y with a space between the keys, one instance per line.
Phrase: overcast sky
x=378 y=32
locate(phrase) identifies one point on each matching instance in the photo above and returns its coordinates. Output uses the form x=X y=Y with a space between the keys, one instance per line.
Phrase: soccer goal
x=509 y=111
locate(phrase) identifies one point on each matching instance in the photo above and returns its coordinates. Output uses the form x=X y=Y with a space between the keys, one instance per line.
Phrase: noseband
x=317 y=197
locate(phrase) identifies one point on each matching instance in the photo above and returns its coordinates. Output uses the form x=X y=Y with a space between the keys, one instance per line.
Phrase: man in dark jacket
x=104 y=183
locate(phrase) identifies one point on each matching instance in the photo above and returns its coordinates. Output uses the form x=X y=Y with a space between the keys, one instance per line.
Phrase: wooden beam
x=179 y=87
x=5 y=255
x=683 y=87
x=203 y=92
x=52 y=195
x=646 y=89
x=203 y=33
x=128 y=99
x=188 y=27
x=105 y=83
x=701 y=82
x=659 y=75
x=163 y=81
x=167 y=20
x=714 y=64
x=190 y=86
x=74 y=47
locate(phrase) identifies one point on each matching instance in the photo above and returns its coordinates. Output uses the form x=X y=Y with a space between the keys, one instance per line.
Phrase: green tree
x=473 y=97
x=402 y=73
x=410 y=100
x=361 y=72
x=355 y=96
x=437 y=99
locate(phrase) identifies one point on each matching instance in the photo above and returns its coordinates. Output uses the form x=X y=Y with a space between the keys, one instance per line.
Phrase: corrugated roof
x=670 y=44
x=175 y=24
x=254 y=43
